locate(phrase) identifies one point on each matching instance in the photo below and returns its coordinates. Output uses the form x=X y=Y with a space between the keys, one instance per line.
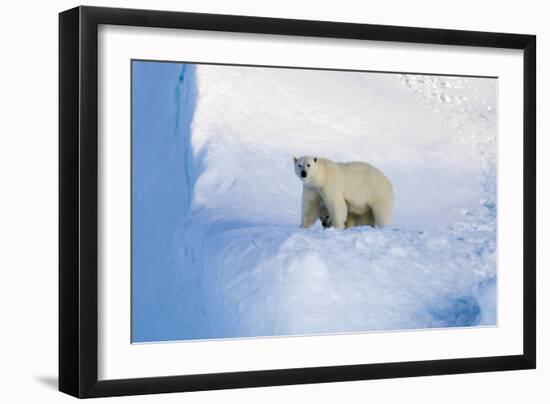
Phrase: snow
x=217 y=252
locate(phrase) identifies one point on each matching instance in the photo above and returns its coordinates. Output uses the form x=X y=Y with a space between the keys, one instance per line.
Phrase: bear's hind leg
x=367 y=219
x=352 y=220
x=382 y=215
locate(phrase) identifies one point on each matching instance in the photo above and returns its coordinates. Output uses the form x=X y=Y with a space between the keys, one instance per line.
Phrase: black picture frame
x=78 y=201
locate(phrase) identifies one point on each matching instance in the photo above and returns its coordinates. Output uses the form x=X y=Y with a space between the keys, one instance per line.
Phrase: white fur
x=350 y=192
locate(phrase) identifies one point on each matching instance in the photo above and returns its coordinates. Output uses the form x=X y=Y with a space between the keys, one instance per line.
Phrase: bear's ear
x=315 y=159
x=295 y=159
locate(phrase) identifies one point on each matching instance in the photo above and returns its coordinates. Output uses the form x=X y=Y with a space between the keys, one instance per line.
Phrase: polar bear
x=343 y=188
x=367 y=219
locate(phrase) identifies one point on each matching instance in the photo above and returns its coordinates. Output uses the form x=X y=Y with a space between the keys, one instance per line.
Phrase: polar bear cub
x=344 y=188
x=367 y=219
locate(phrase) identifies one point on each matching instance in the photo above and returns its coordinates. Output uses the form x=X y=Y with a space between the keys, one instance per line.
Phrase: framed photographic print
x=251 y=201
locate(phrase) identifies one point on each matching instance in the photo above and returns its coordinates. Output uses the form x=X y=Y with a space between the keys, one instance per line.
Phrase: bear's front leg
x=338 y=210
x=311 y=204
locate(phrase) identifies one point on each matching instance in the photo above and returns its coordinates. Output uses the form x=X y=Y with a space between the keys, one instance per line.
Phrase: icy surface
x=217 y=250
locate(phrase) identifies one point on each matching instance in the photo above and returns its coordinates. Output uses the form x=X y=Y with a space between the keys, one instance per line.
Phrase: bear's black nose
x=304 y=174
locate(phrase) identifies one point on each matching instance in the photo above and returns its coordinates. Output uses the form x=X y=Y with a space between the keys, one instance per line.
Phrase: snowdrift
x=216 y=205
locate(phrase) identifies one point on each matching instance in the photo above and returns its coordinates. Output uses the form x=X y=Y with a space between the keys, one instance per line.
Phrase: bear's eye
x=309 y=165
x=299 y=165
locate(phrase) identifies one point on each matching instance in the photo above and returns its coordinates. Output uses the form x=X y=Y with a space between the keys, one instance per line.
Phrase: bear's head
x=309 y=170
